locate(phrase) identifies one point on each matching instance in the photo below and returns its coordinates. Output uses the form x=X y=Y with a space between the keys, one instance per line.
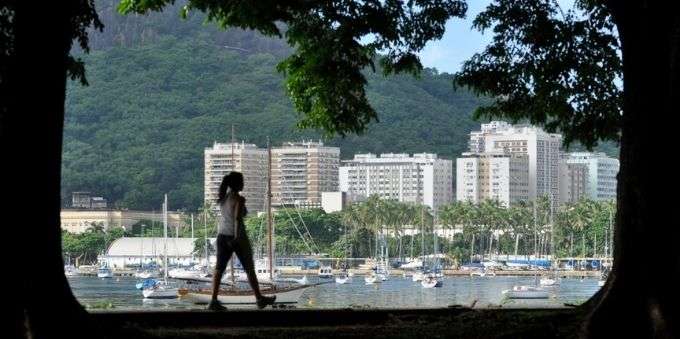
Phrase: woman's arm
x=236 y=213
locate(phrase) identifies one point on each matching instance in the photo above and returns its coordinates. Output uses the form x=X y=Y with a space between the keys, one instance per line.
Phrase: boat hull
x=431 y=284
x=526 y=293
x=285 y=296
x=164 y=293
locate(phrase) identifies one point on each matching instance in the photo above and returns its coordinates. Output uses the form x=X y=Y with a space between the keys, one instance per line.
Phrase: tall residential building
x=542 y=149
x=494 y=176
x=573 y=179
x=301 y=171
x=597 y=170
x=247 y=159
x=422 y=178
x=477 y=138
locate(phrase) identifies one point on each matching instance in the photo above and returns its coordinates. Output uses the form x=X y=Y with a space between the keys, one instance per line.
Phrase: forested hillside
x=162 y=89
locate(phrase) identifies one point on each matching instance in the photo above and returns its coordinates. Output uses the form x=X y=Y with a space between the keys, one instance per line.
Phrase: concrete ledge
x=439 y=322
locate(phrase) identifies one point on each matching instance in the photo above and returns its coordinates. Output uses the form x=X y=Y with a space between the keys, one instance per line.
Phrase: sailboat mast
x=205 y=237
x=422 y=231
x=165 y=237
x=233 y=168
x=270 y=226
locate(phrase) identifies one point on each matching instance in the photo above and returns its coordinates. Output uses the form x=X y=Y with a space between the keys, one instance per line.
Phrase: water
x=397 y=292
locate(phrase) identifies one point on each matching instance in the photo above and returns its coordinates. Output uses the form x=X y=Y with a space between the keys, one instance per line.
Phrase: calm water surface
x=397 y=292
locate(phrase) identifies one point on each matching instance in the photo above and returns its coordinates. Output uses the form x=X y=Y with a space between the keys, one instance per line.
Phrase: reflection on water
x=397 y=292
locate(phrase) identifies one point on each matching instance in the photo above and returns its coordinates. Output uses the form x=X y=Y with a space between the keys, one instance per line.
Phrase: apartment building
x=421 y=178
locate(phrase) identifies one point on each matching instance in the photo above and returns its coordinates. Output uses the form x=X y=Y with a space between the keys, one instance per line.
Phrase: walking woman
x=232 y=238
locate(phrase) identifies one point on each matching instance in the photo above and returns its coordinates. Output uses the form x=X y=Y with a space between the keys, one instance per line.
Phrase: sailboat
x=553 y=280
x=344 y=277
x=236 y=296
x=419 y=274
x=161 y=289
x=526 y=291
x=433 y=278
x=70 y=270
x=104 y=271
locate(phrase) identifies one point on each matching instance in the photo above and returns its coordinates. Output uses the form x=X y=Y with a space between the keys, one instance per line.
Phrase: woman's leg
x=245 y=255
x=224 y=252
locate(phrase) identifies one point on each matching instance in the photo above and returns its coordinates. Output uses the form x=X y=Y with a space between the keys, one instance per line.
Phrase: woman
x=232 y=238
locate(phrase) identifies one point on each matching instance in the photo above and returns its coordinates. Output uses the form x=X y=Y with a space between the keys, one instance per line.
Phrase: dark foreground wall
x=423 y=323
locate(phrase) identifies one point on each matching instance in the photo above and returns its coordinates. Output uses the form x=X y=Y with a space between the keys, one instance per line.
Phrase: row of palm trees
x=577 y=229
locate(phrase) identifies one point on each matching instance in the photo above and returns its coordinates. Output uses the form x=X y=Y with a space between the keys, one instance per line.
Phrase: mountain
x=162 y=89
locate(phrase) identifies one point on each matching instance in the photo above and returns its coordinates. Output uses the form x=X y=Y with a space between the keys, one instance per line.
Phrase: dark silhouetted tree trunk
x=32 y=140
x=641 y=296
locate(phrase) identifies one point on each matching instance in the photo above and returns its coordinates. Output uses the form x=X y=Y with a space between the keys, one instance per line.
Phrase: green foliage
x=561 y=68
x=296 y=231
x=161 y=90
x=85 y=247
x=324 y=74
x=155 y=102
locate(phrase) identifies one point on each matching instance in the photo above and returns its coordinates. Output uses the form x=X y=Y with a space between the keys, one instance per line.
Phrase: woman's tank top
x=226 y=225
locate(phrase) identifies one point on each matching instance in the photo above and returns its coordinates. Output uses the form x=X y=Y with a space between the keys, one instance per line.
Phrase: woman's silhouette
x=232 y=238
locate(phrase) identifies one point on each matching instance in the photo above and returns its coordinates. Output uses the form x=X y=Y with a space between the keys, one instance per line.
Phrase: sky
x=459 y=42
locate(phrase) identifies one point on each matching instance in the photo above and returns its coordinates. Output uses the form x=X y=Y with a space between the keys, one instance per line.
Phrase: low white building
x=80 y=220
x=133 y=251
x=421 y=178
x=333 y=201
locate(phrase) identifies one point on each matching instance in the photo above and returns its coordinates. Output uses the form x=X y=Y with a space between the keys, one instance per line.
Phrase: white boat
x=545 y=281
x=146 y=274
x=484 y=273
x=182 y=273
x=161 y=289
x=70 y=271
x=262 y=271
x=417 y=276
x=430 y=282
x=372 y=279
x=526 y=292
x=325 y=272
x=286 y=295
x=341 y=280
x=104 y=272
x=416 y=263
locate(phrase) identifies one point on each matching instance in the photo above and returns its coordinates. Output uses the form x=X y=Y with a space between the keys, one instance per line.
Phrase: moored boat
x=104 y=272
x=526 y=292
x=284 y=295
x=430 y=281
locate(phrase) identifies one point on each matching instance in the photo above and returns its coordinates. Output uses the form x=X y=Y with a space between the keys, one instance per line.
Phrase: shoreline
x=400 y=272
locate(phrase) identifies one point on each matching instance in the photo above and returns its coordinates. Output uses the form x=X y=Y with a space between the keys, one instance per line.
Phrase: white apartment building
x=595 y=172
x=220 y=159
x=542 y=149
x=492 y=176
x=422 y=178
x=301 y=171
x=477 y=138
